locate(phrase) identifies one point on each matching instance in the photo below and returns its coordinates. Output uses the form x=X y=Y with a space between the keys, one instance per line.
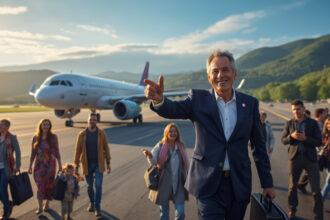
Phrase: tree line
x=310 y=87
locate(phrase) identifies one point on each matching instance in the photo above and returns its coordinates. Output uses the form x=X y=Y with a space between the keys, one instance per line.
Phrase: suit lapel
x=215 y=112
x=240 y=107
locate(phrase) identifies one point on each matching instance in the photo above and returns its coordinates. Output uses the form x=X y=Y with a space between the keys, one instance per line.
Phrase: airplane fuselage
x=76 y=91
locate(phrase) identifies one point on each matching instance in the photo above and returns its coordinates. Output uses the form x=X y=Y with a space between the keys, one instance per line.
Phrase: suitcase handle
x=266 y=202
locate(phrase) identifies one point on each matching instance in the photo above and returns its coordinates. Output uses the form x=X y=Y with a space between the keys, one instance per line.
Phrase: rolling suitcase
x=20 y=188
x=265 y=209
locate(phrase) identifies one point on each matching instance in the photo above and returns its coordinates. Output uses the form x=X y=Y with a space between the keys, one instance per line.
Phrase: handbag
x=151 y=177
x=262 y=208
x=59 y=187
x=20 y=188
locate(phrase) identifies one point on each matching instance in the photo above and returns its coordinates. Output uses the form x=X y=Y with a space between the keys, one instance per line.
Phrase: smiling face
x=221 y=74
x=92 y=121
x=173 y=134
x=45 y=126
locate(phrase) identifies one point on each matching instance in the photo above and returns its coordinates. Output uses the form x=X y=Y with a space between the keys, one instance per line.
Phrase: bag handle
x=266 y=202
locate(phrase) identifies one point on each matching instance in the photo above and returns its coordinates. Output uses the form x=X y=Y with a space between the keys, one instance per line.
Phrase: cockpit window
x=69 y=83
x=54 y=83
x=63 y=83
x=47 y=82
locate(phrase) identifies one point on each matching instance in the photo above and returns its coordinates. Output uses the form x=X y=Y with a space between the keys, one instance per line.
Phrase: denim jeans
x=4 y=191
x=165 y=211
x=326 y=188
x=94 y=173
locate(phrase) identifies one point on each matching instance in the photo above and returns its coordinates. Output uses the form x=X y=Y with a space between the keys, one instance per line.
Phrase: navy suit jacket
x=205 y=169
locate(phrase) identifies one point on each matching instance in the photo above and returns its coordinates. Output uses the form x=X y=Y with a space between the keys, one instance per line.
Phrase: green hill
x=264 y=55
x=291 y=61
x=310 y=87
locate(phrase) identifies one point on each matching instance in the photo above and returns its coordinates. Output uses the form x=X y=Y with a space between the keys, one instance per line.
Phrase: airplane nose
x=41 y=97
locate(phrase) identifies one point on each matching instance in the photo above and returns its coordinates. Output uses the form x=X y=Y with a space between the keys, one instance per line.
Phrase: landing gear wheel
x=68 y=123
x=134 y=120
x=140 y=118
x=98 y=117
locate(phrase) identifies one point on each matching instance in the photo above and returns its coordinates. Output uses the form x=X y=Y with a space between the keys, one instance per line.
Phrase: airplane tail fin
x=145 y=74
x=32 y=90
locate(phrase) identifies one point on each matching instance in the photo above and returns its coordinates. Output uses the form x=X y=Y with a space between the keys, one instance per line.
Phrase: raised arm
x=165 y=107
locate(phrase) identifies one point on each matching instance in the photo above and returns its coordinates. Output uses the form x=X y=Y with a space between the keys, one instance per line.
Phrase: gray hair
x=219 y=53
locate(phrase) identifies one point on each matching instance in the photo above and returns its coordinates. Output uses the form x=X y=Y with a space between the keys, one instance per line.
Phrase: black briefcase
x=265 y=209
x=59 y=187
x=151 y=177
x=20 y=188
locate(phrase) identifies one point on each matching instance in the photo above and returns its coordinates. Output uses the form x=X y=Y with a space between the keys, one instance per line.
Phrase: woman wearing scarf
x=171 y=158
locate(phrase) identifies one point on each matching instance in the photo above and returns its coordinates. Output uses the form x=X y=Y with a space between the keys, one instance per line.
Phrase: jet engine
x=126 y=109
x=66 y=113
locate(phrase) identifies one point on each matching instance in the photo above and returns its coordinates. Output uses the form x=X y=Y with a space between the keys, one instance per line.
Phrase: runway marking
x=276 y=114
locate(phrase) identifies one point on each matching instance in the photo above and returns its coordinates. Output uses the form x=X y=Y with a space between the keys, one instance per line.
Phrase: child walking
x=72 y=190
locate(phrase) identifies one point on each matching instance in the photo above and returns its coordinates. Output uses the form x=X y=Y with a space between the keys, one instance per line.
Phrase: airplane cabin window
x=54 y=83
x=69 y=83
x=63 y=83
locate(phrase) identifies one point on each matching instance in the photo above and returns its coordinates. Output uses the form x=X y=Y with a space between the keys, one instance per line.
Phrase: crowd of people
x=226 y=122
x=92 y=151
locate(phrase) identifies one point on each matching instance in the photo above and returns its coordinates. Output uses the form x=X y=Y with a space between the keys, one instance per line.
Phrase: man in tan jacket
x=93 y=152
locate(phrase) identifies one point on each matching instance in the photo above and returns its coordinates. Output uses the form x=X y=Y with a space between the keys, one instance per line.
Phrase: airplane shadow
x=148 y=133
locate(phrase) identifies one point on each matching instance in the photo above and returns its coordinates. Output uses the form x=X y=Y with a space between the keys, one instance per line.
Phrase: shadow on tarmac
x=107 y=216
x=148 y=134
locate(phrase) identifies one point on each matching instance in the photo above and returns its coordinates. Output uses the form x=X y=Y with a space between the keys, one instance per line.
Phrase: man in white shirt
x=225 y=121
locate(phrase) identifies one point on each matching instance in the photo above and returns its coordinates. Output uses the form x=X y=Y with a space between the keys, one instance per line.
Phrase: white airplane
x=67 y=93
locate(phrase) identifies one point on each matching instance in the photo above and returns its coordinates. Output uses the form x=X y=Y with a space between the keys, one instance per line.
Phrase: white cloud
x=8 y=10
x=107 y=30
x=230 y=24
x=40 y=47
x=31 y=36
x=294 y=5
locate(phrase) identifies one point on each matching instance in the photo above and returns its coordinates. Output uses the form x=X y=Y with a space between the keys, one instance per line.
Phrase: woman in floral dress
x=44 y=153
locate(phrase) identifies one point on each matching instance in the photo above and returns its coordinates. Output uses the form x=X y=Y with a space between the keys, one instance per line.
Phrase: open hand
x=147 y=153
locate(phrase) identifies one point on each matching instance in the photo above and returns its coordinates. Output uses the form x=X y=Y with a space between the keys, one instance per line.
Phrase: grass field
x=22 y=108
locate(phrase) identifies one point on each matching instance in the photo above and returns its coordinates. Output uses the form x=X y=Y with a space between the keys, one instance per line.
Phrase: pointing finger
x=161 y=83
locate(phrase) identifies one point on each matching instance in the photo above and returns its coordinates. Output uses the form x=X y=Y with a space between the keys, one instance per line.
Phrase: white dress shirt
x=228 y=116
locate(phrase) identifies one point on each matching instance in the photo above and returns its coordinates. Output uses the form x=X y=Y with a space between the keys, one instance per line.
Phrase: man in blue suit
x=225 y=121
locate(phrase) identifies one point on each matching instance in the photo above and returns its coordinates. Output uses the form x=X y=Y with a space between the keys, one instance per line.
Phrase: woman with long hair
x=171 y=158
x=44 y=153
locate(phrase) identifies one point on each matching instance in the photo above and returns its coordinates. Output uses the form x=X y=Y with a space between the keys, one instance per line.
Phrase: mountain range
x=280 y=64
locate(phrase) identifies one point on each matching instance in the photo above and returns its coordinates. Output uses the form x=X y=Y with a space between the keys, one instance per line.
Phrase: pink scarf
x=163 y=154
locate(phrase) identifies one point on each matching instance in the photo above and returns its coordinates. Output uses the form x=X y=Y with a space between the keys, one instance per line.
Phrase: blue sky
x=33 y=31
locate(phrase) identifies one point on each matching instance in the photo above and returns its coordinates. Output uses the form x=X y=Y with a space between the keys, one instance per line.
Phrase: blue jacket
x=205 y=169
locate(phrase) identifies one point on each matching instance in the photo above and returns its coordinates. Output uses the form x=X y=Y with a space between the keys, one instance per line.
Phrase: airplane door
x=83 y=93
